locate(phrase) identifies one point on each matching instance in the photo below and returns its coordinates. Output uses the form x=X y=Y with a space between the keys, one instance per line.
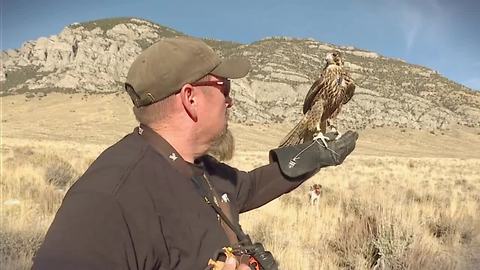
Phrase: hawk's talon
x=335 y=130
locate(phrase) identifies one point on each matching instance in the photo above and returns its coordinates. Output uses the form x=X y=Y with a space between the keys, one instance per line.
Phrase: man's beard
x=223 y=146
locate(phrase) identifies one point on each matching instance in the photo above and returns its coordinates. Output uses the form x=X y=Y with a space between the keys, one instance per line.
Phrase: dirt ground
x=102 y=120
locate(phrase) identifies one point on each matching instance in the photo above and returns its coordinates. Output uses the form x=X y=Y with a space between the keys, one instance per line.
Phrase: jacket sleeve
x=88 y=232
x=262 y=185
x=289 y=167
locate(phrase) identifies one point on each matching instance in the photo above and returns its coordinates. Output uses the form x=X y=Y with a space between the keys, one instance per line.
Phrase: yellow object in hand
x=218 y=265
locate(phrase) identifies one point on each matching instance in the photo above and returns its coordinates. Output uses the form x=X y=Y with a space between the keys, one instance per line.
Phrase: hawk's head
x=334 y=58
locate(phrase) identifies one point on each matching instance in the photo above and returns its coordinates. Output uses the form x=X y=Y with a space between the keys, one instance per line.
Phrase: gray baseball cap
x=163 y=68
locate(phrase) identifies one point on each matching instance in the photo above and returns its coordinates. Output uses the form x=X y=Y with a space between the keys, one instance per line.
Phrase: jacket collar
x=168 y=152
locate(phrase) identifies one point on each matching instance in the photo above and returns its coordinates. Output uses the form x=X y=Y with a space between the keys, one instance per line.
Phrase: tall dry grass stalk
x=389 y=213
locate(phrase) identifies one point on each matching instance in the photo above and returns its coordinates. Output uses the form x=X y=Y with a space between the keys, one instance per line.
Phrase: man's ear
x=189 y=99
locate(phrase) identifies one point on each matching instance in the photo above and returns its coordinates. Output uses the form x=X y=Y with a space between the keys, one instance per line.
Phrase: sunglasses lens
x=226 y=88
x=223 y=85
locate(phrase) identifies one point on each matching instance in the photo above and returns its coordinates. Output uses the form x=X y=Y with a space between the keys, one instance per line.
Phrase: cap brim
x=233 y=68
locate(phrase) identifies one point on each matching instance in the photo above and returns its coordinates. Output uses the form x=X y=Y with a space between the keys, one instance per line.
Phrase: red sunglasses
x=224 y=85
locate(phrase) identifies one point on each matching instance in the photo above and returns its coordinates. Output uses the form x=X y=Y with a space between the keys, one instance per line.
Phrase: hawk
x=323 y=102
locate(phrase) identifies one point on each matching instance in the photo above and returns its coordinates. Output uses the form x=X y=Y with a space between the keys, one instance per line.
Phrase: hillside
x=93 y=58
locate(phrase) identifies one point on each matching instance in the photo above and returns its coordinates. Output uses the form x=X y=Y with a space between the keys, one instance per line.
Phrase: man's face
x=213 y=110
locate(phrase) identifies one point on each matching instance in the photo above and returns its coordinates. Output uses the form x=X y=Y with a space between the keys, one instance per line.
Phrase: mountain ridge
x=93 y=58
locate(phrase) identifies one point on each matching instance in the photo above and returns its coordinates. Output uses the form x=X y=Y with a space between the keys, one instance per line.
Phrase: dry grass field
x=404 y=200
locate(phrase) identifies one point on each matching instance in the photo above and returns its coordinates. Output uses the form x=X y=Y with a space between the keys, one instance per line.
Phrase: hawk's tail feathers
x=294 y=137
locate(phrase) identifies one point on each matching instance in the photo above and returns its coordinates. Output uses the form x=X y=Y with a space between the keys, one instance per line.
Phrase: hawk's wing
x=343 y=89
x=349 y=91
x=316 y=87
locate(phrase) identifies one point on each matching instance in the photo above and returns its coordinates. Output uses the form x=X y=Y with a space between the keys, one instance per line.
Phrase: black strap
x=165 y=149
x=209 y=199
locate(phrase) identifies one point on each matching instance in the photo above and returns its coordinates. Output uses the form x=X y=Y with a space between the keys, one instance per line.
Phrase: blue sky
x=443 y=35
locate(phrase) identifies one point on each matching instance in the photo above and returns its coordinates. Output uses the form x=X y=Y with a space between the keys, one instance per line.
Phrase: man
x=154 y=200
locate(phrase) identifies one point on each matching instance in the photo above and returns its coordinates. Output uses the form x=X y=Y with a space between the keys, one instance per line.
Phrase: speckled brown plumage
x=324 y=100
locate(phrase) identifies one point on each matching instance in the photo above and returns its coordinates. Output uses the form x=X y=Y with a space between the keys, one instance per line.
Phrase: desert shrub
x=422 y=256
x=442 y=226
x=355 y=242
x=329 y=197
x=412 y=196
x=260 y=233
x=18 y=248
x=59 y=173
x=468 y=229
x=295 y=201
x=393 y=243
x=447 y=228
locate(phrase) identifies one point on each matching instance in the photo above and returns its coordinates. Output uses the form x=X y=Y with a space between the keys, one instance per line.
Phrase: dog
x=314 y=194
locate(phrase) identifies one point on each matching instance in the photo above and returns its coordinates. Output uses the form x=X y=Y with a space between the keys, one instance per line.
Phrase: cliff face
x=94 y=58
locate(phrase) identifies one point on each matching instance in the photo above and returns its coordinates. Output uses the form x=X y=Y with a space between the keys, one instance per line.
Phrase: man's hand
x=231 y=264
x=341 y=147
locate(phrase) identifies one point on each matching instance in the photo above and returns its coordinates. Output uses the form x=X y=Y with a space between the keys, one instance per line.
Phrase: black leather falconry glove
x=309 y=157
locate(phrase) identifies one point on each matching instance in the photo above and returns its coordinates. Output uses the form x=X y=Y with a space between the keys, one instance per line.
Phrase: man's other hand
x=231 y=264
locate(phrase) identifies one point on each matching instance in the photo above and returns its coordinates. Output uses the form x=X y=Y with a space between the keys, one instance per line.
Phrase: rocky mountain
x=94 y=57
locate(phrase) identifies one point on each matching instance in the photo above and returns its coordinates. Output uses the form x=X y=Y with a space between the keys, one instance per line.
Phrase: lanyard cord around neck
x=210 y=199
